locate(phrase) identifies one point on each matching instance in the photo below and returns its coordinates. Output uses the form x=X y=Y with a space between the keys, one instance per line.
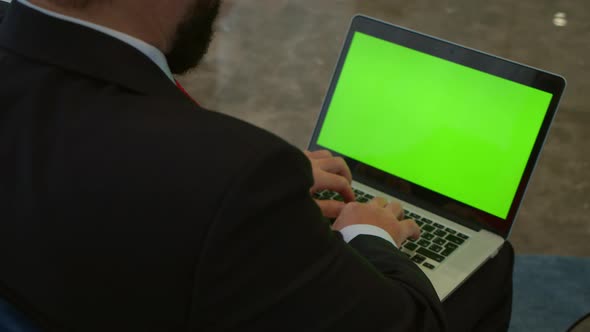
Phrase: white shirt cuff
x=352 y=231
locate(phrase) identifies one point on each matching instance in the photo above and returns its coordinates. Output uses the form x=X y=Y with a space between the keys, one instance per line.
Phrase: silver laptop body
x=385 y=71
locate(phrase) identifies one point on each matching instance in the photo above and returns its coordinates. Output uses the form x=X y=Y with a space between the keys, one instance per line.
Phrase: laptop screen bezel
x=414 y=193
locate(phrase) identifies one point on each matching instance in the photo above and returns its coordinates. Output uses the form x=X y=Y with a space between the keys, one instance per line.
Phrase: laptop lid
x=441 y=126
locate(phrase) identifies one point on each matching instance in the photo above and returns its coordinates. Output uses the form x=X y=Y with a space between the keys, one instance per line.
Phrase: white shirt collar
x=150 y=51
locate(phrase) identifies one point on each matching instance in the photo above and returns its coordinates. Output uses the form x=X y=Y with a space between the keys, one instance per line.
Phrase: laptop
x=451 y=132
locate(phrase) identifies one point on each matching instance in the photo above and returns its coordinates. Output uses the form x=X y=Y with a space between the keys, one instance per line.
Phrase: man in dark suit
x=125 y=206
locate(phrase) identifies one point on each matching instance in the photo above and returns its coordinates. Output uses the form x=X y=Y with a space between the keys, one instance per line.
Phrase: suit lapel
x=76 y=48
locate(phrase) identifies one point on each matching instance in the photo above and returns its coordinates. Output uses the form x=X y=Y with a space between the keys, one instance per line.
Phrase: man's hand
x=381 y=214
x=330 y=173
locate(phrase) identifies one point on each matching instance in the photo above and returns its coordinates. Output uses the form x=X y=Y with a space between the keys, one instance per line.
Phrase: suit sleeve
x=271 y=262
x=3 y=9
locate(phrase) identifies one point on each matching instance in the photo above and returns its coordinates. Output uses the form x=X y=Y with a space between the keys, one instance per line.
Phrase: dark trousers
x=484 y=302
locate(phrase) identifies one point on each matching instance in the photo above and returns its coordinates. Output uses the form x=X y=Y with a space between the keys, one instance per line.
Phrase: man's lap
x=484 y=302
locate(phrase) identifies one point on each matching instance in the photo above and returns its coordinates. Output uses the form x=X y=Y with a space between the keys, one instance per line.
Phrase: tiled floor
x=272 y=60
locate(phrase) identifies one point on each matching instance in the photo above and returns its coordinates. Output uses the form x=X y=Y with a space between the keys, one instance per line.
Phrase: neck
x=146 y=22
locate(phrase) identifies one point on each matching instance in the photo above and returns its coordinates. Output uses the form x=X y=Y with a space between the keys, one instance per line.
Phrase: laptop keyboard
x=437 y=242
x=327 y=194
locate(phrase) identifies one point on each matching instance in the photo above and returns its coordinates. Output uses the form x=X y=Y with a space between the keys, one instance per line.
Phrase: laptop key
x=418 y=259
x=428 y=228
x=407 y=254
x=429 y=254
x=427 y=236
x=454 y=239
x=451 y=231
x=369 y=196
x=338 y=198
x=451 y=246
x=439 y=241
x=411 y=240
x=435 y=248
x=423 y=243
x=428 y=265
x=328 y=194
x=426 y=220
x=463 y=236
x=437 y=225
x=362 y=199
x=447 y=252
x=440 y=233
x=410 y=246
x=420 y=223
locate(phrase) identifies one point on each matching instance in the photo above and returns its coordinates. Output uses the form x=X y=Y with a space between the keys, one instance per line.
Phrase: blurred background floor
x=271 y=62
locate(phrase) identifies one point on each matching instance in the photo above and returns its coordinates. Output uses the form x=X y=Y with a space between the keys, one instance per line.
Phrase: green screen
x=452 y=129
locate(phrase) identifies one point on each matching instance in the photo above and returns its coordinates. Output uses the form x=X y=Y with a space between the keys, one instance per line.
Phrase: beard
x=193 y=37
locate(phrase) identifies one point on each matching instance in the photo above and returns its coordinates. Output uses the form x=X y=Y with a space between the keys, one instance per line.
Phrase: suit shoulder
x=182 y=120
x=175 y=129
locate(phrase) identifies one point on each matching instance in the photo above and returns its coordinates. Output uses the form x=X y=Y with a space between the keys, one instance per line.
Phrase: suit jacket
x=126 y=207
x=3 y=7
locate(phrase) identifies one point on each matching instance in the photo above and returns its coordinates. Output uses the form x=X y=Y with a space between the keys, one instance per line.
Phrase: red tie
x=185 y=93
